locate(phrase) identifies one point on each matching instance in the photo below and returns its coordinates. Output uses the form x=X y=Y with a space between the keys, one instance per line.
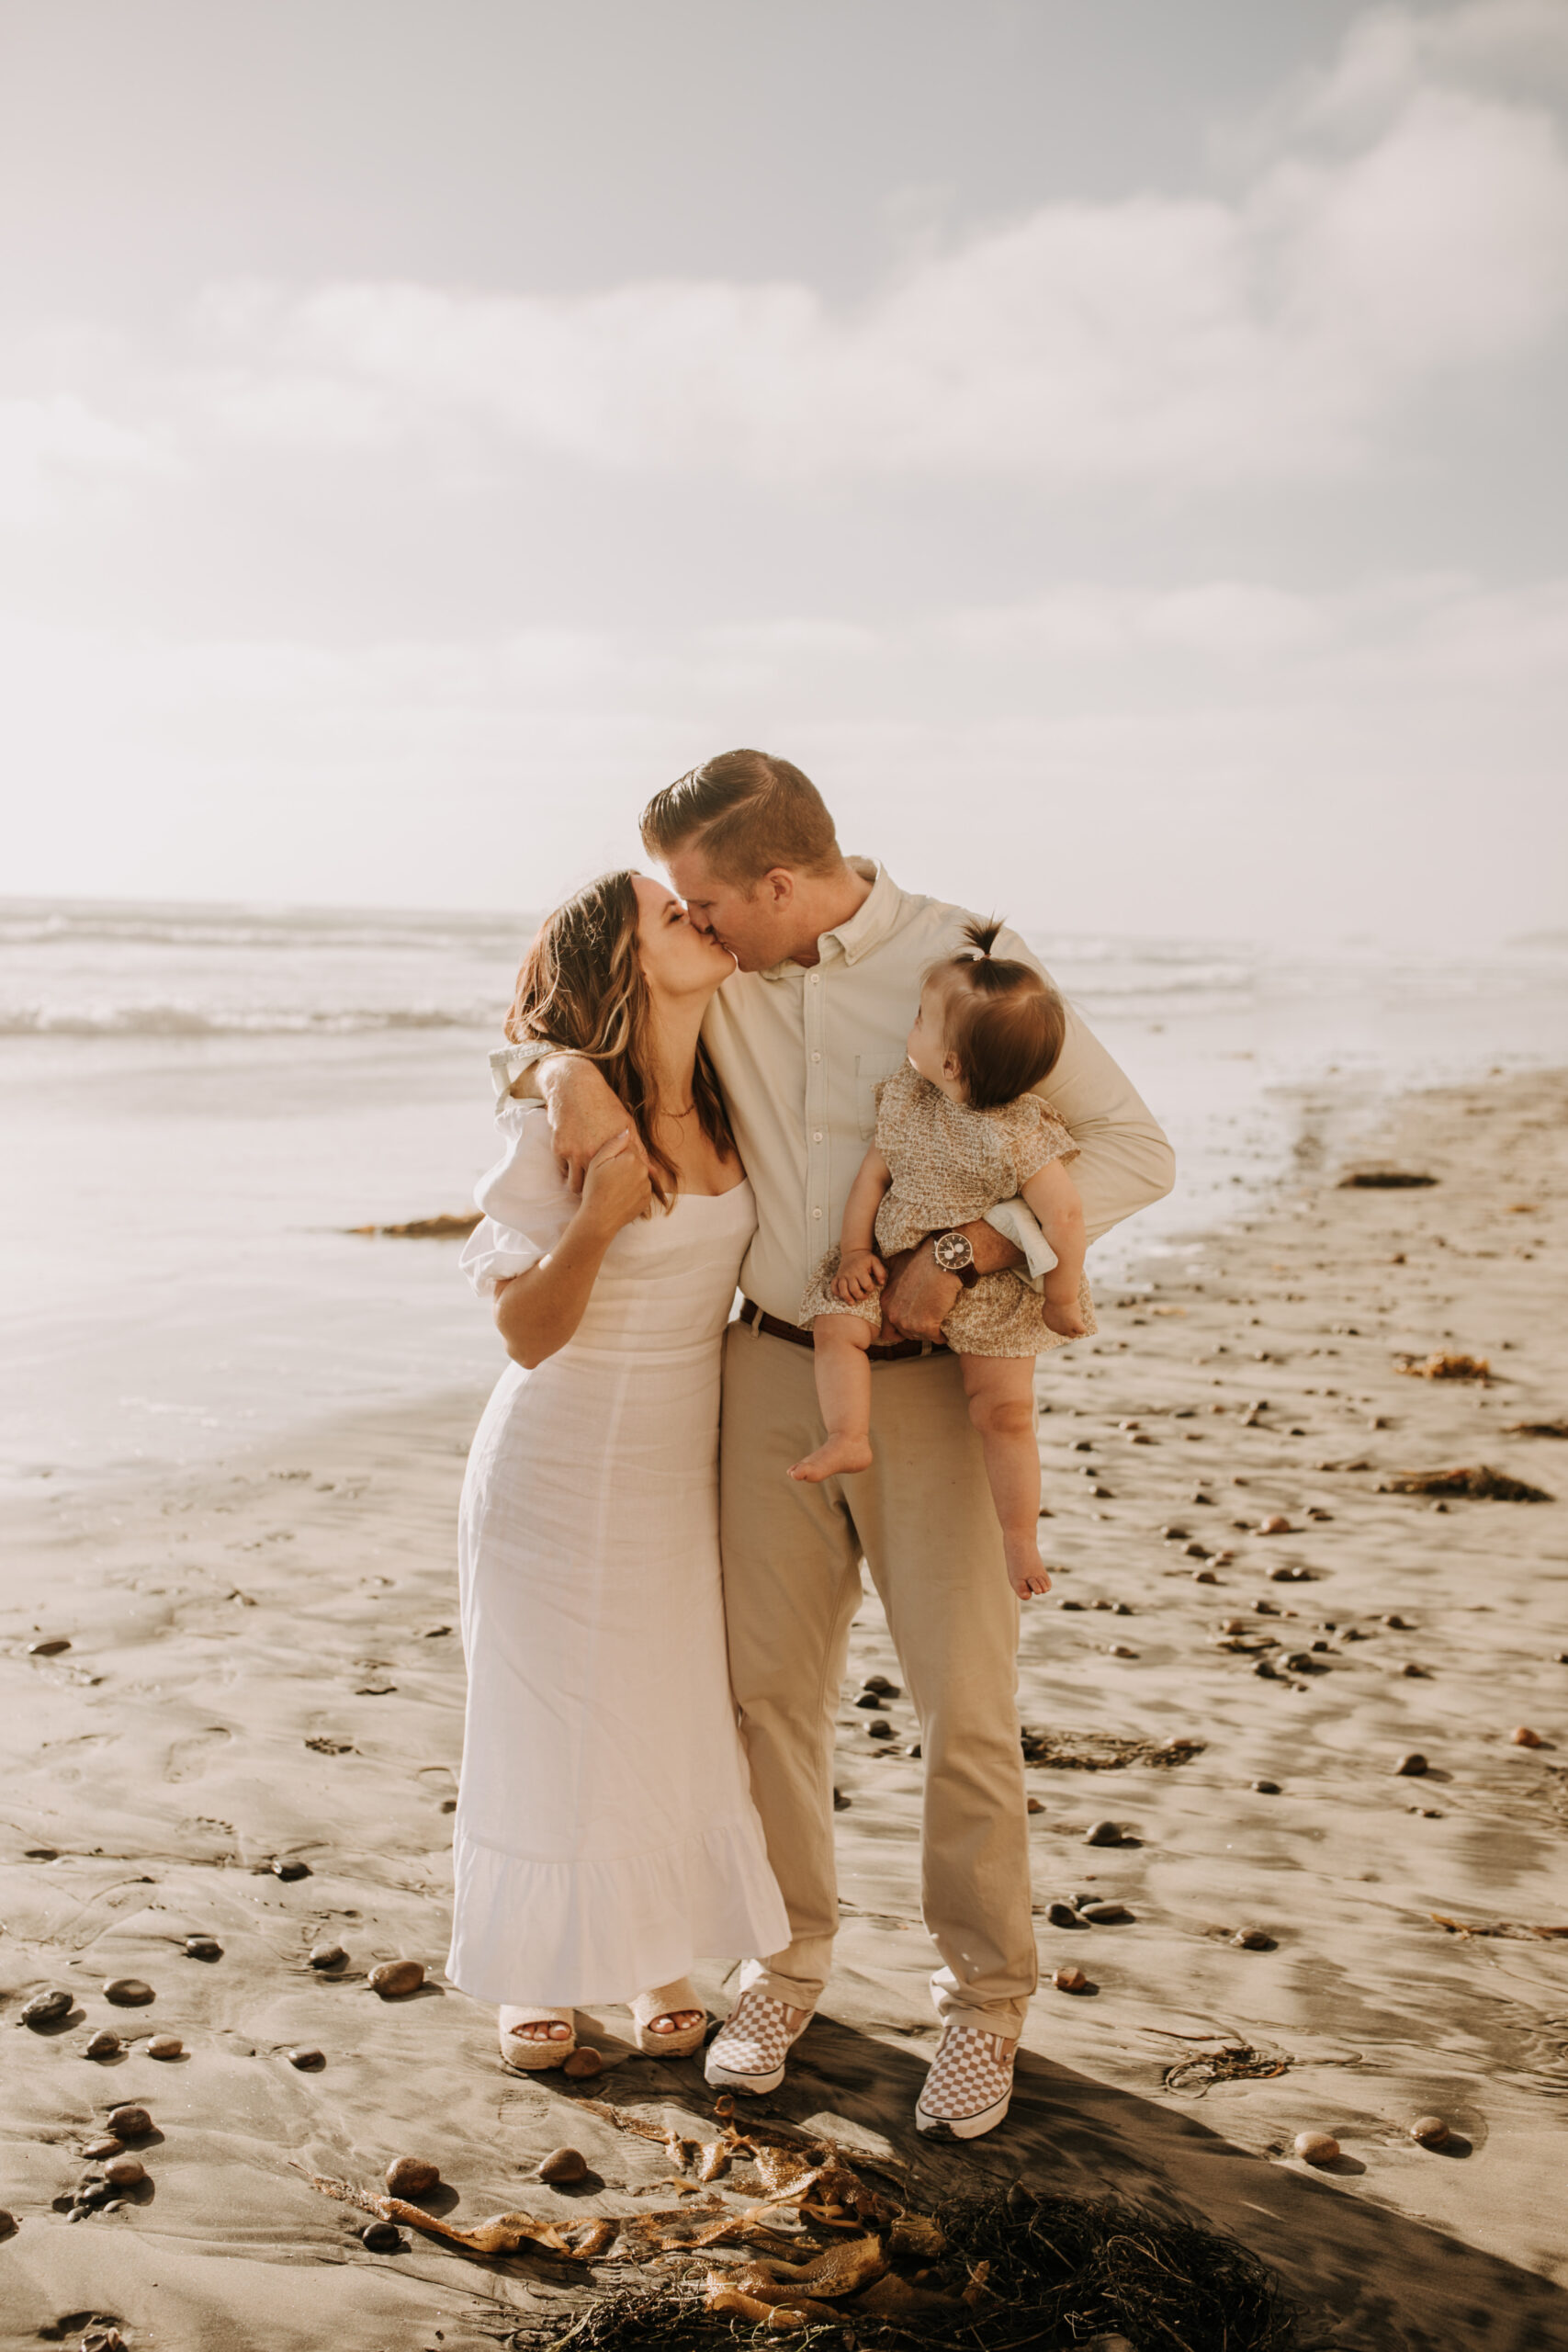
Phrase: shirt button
x=817 y=1135
x=816 y=1057
x=816 y=1212
x=814 y=978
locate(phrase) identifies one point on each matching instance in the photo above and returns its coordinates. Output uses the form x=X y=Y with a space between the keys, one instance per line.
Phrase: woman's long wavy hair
x=582 y=986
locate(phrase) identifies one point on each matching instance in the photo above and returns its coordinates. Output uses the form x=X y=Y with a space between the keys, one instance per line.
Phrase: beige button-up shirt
x=800 y=1052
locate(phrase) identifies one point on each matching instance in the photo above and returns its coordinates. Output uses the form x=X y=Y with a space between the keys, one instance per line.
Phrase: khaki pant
x=923 y=1518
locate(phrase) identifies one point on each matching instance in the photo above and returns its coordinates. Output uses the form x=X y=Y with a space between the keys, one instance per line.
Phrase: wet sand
x=263 y=1665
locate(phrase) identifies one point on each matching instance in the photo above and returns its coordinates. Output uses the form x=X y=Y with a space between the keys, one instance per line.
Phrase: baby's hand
x=1063 y=1315
x=860 y=1273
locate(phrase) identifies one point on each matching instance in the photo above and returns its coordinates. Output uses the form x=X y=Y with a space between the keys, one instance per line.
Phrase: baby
x=958 y=1130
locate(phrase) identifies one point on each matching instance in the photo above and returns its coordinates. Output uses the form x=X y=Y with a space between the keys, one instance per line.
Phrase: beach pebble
x=308 y=2059
x=1253 y=1939
x=128 y=1992
x=879 y=1729
x=1289 y=1575
x=1275 y=1524
x=1265 y=1788
x=396 y=1978
x=1204 y=1576
x=1062 y=1915
x=1106 y=1914
x=1411 y=1767
x=1103 y=1833
x=1316 y=2147
x=381 y=2237
x=1033 y=1804
x=1429 y=2130
x=98 y=2151
x=50 y=1648
x=1400 y=1624
x=841 y=1802
x=290 y=1869
x=881 y=1686
x=1525 y=1738
x=8 y=2224
x=583 y=2063
x=1070 y=1980
x=328 y=1956
x=1236 y=1625
x=203 y=1948
x=47 y=2007
x=130 y=2122
x=124 y=2172
x=104 y=2044
x=1119 y=1650
x=561 y=2166
x=411 y=2176
x=166 y=2045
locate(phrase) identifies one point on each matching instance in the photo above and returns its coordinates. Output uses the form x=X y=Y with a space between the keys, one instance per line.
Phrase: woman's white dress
x=605 y=1836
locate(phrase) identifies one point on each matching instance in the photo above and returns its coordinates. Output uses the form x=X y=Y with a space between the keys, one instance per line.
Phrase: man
x=830 y=954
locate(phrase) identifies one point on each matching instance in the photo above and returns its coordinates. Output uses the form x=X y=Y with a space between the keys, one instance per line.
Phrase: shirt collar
x=872 y=922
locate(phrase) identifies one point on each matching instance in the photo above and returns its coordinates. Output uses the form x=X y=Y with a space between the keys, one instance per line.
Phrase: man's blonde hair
x=746 y=812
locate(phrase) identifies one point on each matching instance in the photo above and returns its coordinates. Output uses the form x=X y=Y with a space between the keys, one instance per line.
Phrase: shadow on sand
x=1364 y=2277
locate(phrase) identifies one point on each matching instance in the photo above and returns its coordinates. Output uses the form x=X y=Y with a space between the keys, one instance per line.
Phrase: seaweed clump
x=1104 y=1751
x=1021 y=2272
x=1483 y=1484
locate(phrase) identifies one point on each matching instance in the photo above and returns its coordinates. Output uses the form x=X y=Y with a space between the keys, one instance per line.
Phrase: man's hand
x=583 y=1113
x=919 y=1298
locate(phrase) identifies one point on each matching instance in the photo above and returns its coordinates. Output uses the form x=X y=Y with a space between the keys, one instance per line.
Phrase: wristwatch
x=954 y=1255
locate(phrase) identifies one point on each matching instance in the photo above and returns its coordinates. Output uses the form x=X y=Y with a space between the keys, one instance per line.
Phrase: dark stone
x=291 y=1869
x=203 y=1948
x=1062 y=1915
x=48 y=2008
x=1411 y=1767
x=1105 y=1914
x=1103 y=1833
x=1267 y=1788
x=381 y=2237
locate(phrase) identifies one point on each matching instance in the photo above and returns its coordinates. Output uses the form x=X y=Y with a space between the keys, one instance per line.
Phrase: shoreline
x=254 y=1673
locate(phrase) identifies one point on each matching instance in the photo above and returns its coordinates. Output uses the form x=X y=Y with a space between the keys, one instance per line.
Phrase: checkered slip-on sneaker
x=749 y=2051
x=970 y=2084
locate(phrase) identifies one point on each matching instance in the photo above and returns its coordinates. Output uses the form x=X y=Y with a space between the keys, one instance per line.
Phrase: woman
x=606 y=1834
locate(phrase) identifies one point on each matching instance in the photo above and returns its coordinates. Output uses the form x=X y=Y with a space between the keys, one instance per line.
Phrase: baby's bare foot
x=1026 y=1570
x=838 y=1459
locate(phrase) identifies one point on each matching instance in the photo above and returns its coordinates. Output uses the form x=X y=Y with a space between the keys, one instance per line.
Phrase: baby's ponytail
x=982 y=937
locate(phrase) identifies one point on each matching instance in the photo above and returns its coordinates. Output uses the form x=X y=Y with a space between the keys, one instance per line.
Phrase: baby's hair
x=1003 y=1023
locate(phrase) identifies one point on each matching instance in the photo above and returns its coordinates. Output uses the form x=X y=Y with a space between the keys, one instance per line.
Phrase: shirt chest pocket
x=870 y=1071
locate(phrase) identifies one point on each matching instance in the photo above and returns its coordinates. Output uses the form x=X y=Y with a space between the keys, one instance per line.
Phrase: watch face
x=953 y=1253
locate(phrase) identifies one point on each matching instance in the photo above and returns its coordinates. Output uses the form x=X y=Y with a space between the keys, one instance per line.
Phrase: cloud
x=1397 y=227
x=57 y=449
x=1221 y=741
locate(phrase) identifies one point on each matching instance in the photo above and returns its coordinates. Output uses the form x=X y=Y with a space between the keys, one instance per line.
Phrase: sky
x=1114 y=447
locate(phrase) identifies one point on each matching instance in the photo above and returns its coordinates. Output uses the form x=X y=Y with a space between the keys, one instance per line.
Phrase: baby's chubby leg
x=1000 y=1390
x=843 y=1390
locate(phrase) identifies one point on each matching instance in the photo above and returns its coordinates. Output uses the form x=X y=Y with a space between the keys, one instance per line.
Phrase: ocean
x=201 y=1102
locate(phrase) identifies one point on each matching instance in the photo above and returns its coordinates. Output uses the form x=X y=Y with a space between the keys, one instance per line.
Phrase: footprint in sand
x=189 y=1757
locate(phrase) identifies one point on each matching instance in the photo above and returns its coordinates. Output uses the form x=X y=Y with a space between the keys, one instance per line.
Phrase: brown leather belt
x=892 y=1352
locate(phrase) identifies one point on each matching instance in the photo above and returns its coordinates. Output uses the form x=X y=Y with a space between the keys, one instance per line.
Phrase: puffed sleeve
x=527 y=1202
x=1036 y=1137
